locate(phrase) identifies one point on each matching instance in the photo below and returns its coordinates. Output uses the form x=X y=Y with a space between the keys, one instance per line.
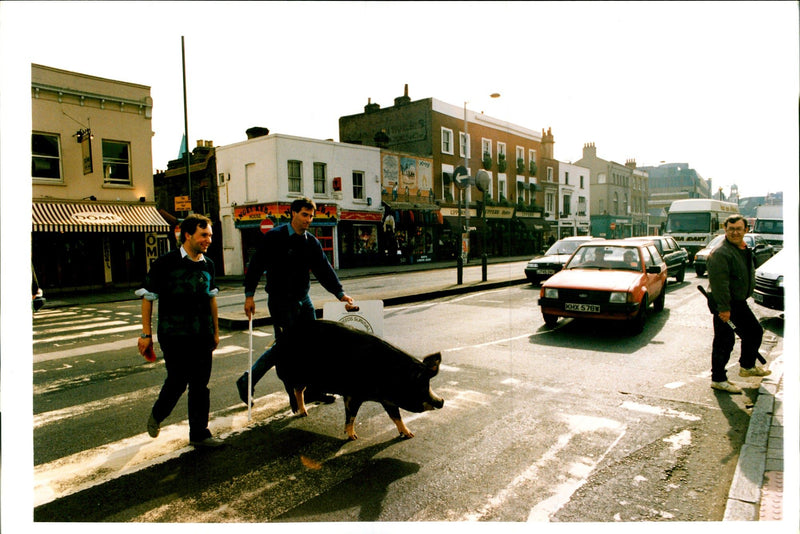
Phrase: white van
x=693 y=222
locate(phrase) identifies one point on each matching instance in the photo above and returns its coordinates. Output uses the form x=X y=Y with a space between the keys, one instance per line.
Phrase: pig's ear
x=432 y=363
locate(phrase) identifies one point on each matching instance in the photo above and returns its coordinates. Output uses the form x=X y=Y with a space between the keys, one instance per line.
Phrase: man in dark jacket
x=184 y=284
x=287 y=254
x=731 y=276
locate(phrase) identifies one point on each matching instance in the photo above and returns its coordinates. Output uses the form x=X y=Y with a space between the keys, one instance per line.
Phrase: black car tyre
x=658 y=304
x=681 y=274
x=550 y=320
x=637 y=323
x=699 y=270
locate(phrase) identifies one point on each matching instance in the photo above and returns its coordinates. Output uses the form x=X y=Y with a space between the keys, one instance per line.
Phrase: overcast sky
x=714 y=85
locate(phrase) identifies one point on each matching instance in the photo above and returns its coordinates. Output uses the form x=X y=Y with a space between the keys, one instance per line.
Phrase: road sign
x=183 y=203
x=266 y=226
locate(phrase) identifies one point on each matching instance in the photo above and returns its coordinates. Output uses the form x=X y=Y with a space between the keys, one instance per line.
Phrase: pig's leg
x=351 y=407
x=300 y=402
x=394 y=413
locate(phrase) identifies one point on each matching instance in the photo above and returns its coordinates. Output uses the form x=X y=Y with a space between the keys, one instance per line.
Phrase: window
x=550 y=203
x=549 y=174
x=581 y=181
x=116 y=162
x=501 y=148
x=601 y=178
x=358 y=185
x=464 y=145
x=320 y=173
x=566 y=178
x=447 y=141
x=501 y=188
x=295 y=176
x=486 y=147
x=46 y=161
x=521 y=153
x=566 y=207
x=531 y=155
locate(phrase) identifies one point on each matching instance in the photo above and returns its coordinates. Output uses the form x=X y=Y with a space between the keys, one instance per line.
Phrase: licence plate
x=545 y=271
x=591 y=308
x=758 y=297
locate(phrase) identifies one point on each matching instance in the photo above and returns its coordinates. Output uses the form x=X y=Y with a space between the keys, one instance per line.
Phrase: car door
x=654 y=282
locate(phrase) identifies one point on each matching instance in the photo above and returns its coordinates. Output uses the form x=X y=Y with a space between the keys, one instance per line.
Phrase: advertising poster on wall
x=406 y=175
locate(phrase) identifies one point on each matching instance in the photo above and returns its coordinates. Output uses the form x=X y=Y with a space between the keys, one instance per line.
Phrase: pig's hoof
x=407 y=435
x=301 y=413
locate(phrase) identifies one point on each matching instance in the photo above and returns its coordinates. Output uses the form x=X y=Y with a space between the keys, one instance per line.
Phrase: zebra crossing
x=60 y=327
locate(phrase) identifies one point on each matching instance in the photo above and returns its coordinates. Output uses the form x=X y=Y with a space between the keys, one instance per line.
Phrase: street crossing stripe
x=89 y=334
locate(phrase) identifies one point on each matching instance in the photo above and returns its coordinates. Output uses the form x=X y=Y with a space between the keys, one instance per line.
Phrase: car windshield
x=617 y=258
x=688 y=222
x=562 y=247
x=716 y=241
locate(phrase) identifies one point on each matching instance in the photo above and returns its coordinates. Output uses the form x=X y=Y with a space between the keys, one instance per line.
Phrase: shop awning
x=95 y=217
x=538 y=225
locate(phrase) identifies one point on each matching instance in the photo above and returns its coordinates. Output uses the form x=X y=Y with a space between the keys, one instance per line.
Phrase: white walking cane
x=250 y=373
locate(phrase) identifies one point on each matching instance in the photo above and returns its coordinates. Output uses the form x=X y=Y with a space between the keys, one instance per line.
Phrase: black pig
x=331 y=357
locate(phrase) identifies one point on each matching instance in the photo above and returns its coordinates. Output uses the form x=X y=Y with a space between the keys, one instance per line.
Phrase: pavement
x=756 y=492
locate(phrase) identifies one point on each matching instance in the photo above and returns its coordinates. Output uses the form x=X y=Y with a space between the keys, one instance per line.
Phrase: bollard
x=460 y=269
x=483 y=267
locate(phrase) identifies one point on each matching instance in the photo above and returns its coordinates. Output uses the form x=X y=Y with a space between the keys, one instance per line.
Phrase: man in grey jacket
x=731 y=277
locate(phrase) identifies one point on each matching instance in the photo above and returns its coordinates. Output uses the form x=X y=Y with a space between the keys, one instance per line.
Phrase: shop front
x=411 y=233
x=535 y=231
x=77 y=246
x=359 y=238
x=254 y=220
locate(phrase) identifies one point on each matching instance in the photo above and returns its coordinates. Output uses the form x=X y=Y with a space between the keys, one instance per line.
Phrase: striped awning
x=96 y=217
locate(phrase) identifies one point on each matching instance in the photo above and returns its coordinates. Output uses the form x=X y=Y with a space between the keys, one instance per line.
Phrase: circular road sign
x=482 y=180
x=266 y=226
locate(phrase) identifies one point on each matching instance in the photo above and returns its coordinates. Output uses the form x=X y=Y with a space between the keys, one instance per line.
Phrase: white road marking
x=489 y=343
x=75 y=328
x=90 y=334
x=657 y=410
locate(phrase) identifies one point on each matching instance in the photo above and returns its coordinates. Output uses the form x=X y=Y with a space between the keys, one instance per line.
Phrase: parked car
x=769 y=282
x=554 y=258
x=614 y=279
x=762 y=250
x=674 y=255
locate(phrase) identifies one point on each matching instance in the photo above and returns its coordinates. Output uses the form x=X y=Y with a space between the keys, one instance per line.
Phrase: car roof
x=579 y=238
x=617 y=242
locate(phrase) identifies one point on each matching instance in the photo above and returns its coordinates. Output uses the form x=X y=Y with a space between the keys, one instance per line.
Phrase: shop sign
x=183 y=203
x=151 y=248
x=498 y=212
x=96 y=217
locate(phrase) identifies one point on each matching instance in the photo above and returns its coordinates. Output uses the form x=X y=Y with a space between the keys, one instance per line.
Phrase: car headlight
x=619 y=297
x=550 y=293
x=779 y=281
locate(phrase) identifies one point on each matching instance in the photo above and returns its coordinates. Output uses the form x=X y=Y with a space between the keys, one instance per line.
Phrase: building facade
x=574 y=196
x=506 y=218
x=619 y=196
x=94 y=218
x=674 y=181
x=260 y=177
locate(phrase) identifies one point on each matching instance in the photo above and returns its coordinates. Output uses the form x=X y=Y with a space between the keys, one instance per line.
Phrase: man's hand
x=349 y=303
x=725 y=316
x=249 y=306
x=215 y=341
x=144 y=342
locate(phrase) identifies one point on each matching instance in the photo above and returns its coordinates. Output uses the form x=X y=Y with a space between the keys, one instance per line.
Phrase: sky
x=714 y=85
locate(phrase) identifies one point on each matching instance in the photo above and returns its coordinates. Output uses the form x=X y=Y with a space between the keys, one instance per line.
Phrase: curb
x=238 y=321
x=756 y=459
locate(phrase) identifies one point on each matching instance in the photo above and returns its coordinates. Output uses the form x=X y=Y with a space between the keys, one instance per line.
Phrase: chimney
x=589 y=151
x=256 y=131
x=402 y=100
x=630 y=163
x=547 y=144
x=370 y=107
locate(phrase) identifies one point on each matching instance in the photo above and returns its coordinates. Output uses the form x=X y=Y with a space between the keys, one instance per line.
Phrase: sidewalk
x=756 y=492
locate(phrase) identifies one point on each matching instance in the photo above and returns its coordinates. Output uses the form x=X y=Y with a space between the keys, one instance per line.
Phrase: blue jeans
x=284 y=314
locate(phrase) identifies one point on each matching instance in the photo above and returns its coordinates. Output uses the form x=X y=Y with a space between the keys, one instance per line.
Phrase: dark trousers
x=188 y=363
x=284 y=315
x=749 y=330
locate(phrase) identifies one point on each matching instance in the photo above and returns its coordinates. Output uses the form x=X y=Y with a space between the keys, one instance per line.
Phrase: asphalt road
x=581 y=423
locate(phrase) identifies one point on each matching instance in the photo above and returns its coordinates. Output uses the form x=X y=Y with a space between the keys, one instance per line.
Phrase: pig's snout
x=433 y=402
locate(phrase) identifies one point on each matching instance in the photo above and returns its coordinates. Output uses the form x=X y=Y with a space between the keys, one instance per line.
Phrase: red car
x=613 y=279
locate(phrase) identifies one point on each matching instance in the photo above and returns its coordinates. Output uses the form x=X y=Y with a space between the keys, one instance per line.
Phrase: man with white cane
x=287 y=254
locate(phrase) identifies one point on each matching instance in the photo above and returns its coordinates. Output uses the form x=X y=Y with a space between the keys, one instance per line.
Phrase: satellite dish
x=482 y=181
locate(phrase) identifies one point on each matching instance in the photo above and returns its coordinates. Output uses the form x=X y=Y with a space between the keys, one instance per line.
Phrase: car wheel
x=681 y=275
x=637 y=323
x=658 y=304
x=699 y=270
x=550 y=320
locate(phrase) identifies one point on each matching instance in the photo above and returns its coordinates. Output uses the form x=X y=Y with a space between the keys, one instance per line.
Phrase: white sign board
x=369 y=316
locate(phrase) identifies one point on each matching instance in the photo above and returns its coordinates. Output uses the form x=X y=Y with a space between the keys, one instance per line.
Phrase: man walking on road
x=287 y=253
x=731 y=277
x=183 y=281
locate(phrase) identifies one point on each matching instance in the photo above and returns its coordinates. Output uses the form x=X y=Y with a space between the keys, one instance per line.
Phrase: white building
x=573 y=200
x=260 y=177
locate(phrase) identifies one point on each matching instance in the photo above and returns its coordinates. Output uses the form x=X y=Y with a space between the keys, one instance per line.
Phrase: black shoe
x=207 y=443
x=241 y=386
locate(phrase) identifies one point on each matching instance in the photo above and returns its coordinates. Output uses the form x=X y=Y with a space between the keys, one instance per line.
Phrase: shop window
x=358 y=185
x=116 y=162
x=320 y=177
x=46 y=162
x=295 y=176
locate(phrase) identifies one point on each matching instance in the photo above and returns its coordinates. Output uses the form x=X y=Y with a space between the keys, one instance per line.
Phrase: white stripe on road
x=80 y=327
x=89 y=334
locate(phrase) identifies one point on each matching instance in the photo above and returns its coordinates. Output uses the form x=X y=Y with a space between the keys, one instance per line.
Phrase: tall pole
x=186 y=124
x=467 y=194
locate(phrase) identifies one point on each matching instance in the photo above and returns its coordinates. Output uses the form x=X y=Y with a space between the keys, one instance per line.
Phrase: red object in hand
x=150 y=353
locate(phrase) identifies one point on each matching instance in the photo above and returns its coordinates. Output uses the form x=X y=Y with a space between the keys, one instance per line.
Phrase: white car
x=554 y=258
x=769 y=282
